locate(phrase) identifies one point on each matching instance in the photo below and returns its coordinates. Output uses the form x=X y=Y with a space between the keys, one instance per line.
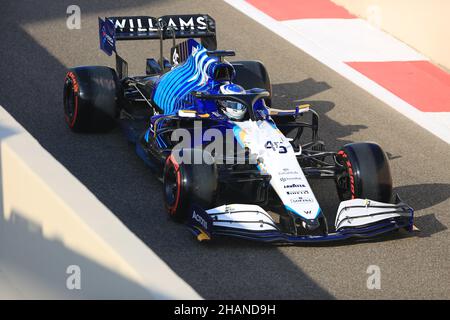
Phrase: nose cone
x=311 y=224
x=308 y=224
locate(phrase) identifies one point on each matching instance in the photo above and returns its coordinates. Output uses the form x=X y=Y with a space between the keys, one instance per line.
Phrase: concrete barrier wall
x=54 y=232
x=422 y=24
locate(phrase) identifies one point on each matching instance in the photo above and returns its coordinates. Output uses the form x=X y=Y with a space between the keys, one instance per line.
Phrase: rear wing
x=173 y=27
x=165 y=27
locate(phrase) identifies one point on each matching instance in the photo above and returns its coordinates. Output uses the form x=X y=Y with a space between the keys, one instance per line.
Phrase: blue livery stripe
x=173 y=89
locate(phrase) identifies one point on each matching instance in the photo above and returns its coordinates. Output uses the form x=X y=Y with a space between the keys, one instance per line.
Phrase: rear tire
x=185 y=184
x=253 y=74
x=91 y=98
x=367 y=173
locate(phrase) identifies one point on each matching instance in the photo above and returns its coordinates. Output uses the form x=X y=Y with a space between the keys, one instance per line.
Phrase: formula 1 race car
x=230 y=163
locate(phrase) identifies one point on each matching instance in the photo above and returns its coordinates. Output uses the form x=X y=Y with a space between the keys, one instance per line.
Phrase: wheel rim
x=343 y=182
x=171 y=187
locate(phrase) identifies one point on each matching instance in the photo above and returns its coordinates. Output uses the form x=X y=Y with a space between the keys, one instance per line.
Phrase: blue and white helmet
x=233 y=110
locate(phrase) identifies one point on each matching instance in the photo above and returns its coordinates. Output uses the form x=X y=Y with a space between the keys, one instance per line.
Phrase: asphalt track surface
x=35 y=50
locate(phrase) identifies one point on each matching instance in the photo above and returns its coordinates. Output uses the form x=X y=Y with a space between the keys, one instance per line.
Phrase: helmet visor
x=234 y=105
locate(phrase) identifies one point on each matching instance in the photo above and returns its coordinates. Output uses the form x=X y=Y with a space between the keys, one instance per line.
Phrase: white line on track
x=353 y=40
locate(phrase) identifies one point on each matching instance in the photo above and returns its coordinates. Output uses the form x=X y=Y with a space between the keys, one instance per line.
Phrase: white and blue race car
x=230 y=163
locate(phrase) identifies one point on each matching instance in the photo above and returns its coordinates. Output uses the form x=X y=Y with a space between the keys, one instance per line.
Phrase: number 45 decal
x=275 y=146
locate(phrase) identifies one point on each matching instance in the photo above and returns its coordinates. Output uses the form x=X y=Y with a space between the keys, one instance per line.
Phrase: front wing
x=357 y=218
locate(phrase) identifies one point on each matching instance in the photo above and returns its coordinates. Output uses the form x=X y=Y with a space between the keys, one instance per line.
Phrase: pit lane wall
x=57 y=241
x=422 y=24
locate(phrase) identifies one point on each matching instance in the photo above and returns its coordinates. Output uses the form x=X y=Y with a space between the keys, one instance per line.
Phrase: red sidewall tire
x=92 y=96
x=185 y=184
x=351 y=175
x=173 y=189
x=71 y=88
x=368 y=171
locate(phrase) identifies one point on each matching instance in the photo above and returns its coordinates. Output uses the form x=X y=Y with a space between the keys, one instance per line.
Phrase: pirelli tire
x=366 y=173
x=186 y=184
x=253 y=74
x=91 y=98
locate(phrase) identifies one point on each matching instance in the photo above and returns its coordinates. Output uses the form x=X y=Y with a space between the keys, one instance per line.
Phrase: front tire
x=366 y=173
x=185 y=184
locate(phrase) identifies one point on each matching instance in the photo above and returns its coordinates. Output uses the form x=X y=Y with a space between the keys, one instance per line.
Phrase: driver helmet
x=232 y=109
